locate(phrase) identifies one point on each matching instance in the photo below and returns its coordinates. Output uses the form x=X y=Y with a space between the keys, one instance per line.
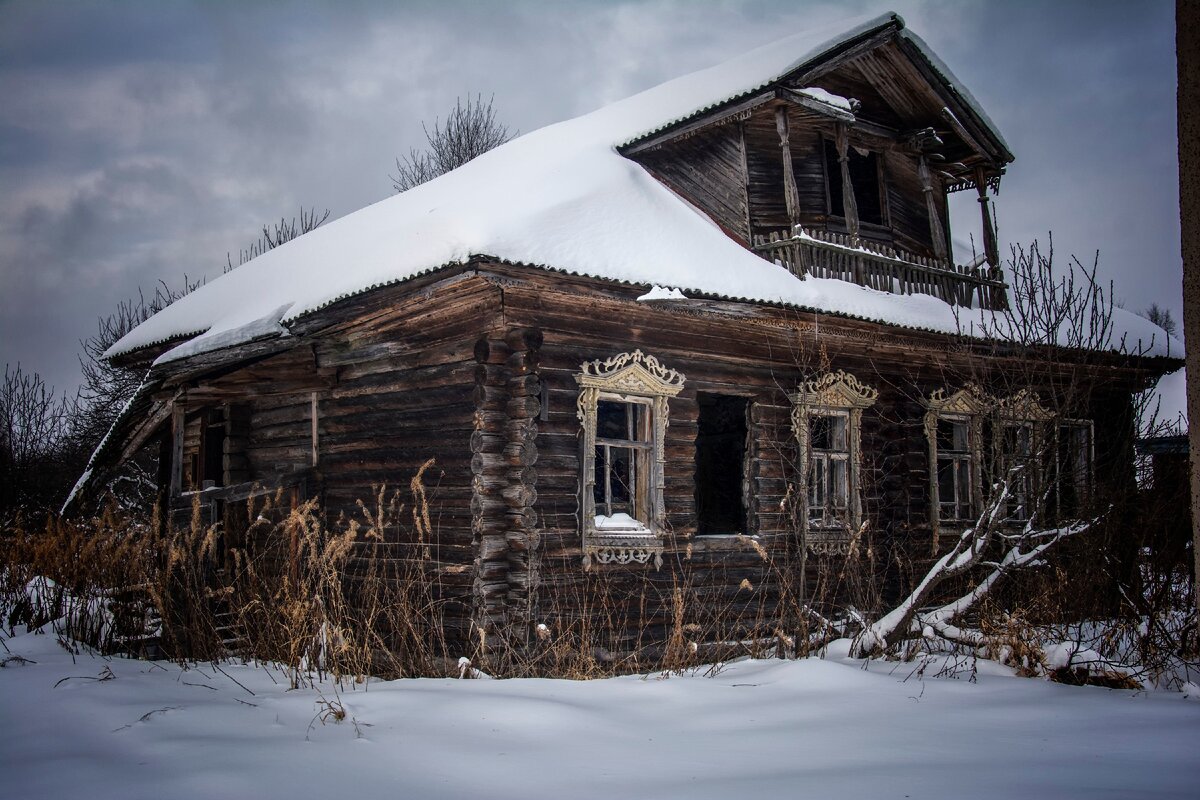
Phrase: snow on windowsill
x=622 y=524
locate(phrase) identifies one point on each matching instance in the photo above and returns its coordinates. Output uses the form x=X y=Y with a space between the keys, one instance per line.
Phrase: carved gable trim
x=631 y=373
x=1024 y=406
x=835 y=390
x=968 y=401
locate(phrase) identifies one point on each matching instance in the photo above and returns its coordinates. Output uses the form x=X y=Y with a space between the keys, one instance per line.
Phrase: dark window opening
x=1073 y=467
x=720 y=464
x=864 y=177
x=212 y=449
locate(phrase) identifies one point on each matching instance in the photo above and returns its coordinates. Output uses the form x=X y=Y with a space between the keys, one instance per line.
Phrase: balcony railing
x=833 y=255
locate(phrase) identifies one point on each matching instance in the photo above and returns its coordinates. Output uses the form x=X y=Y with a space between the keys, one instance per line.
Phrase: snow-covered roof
x=1168 y=405
x=563 y=198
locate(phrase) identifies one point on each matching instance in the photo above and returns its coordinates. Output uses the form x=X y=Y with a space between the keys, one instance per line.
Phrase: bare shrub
x=470 y=130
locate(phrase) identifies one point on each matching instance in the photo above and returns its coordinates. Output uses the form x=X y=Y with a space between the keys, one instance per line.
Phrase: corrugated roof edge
x=694 y=294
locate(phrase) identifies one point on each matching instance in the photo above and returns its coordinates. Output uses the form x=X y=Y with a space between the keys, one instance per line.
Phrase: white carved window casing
x=1021 y=446
x=827 y=419
x=623 y=416
x=954 y=430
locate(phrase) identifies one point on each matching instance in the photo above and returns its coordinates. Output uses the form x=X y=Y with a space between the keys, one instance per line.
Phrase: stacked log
x=489 y=474
x=520 y=494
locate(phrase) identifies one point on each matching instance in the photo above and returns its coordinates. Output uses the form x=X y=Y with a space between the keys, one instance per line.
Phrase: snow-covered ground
x=814 y=728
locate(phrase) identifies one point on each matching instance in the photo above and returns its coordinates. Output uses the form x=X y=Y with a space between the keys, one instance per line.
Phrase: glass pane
x=963 y=484
x=613 y=419
x=828 y=432
x=838 y=483
x=816 y=482
x=840 y=442
x=946 y=495
x=953 y=435
x=820 y=432
x=613 y=490
x=621 y=476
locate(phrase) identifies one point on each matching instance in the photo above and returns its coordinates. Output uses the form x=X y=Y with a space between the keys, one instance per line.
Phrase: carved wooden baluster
x=991 y=249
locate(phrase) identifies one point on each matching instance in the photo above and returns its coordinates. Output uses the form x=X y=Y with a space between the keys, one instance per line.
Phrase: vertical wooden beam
x=178 y=412
x=746 y=180
x=315 y=415
x=162 y=498
x=991 y=249
x=849 y=203
x=790 y=193
x=936 y=232
x=1187 y=28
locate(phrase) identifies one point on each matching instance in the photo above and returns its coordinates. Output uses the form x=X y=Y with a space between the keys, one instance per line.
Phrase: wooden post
x=315 y=417
x=745 y=164
x=990 y=249
x=178 y=411
x=849 y=204
x=790 y=193
x=936 y=232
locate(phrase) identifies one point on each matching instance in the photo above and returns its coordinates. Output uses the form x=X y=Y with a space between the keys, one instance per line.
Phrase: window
x=827 y=417
x=864 y=178
x=828 y=467
x=1073 y=467
x=954 y=428
x=954 y=467
x=720 y=464
x=1017 y=453
x=623 y=449
x=1020 y=446
x=623 y=417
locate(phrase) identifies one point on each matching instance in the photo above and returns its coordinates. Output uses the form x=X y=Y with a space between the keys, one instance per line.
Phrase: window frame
x=1084 y=485
x=829 y=143
x=1023 y=410
x=625 y=378
x=970 y=405
x=833 y=394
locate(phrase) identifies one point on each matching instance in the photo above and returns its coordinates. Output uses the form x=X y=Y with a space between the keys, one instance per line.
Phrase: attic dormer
x=842 y=167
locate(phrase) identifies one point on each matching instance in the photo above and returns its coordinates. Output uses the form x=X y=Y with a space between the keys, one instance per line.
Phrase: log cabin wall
x=761 y=360
x=405 y=397
x=477 y=372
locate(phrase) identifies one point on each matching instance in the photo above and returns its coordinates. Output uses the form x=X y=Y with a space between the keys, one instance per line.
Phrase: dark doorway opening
x=720 y=464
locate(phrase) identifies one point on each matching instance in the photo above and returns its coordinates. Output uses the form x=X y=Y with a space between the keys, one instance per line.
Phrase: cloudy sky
x=142 y=141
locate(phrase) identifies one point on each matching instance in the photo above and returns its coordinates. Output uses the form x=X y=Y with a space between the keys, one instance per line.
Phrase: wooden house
x=658 y=344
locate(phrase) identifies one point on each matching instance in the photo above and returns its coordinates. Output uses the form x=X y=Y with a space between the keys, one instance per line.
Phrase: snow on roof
x=561 y=197
x=1168 y=404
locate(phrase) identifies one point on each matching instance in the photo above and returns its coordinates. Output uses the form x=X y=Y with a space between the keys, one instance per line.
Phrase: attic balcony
x=827 y=254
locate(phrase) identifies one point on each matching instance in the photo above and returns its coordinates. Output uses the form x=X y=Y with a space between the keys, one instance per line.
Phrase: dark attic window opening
x=720 y=464
x=864 y=177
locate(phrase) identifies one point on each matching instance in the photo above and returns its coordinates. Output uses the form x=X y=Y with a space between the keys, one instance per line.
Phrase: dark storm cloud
x=141 y=141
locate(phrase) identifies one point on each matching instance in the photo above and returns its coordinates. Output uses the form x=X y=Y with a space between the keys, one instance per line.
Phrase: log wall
x=475 y=379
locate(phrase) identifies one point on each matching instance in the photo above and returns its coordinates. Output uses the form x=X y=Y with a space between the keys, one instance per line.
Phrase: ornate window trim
x=1023 y=410
x=969 y=404
x=833 y=394
x=627 y=377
